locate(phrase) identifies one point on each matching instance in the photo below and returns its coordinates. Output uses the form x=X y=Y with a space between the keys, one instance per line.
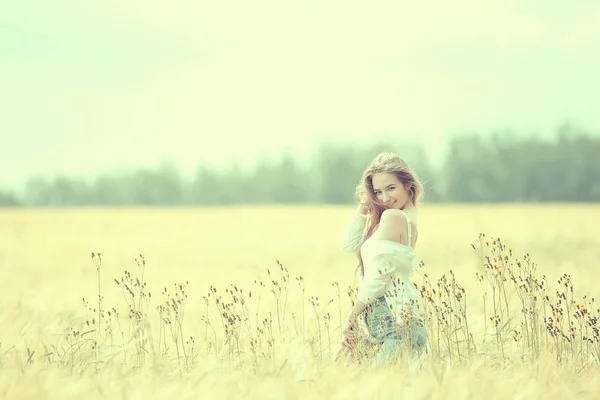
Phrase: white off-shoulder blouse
x=388 y=268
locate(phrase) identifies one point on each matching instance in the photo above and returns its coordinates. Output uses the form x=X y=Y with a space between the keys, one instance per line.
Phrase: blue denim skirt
x=395 y=340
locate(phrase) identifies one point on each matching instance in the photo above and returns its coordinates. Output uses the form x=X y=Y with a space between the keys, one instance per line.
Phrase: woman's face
x=390 y=191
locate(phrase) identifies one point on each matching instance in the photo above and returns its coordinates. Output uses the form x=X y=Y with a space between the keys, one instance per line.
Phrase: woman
x=383 y=232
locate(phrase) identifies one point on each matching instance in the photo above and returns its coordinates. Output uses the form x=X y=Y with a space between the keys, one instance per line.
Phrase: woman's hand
x=362 y=209
x=359 y=198
x=349 y=332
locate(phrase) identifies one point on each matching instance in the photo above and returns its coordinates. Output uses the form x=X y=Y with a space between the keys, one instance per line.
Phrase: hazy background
x=91 y=88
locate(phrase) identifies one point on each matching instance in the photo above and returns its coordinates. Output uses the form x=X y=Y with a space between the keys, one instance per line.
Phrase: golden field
x=46 y=269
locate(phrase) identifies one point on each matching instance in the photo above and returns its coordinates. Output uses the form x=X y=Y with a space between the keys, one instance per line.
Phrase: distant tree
x=157 y=187
x=501 y=167
x=207 y=188
x=9 y=199
x=62 y=191
x=336 y=172
x=112 y=190
x=289 y=184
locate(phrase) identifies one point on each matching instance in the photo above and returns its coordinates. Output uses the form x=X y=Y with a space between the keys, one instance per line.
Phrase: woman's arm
x=371 y=288
x=393 y=226
x=352 y=235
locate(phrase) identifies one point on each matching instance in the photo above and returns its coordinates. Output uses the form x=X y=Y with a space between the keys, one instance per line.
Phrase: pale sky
x=88 y=87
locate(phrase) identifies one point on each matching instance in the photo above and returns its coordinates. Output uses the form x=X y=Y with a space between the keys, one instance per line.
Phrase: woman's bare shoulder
x=393 y=225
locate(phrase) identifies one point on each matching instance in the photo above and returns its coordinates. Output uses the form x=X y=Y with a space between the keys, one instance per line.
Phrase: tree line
x=495 y=168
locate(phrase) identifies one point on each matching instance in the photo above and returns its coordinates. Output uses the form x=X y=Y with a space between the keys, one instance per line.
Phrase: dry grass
x=171 y=337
